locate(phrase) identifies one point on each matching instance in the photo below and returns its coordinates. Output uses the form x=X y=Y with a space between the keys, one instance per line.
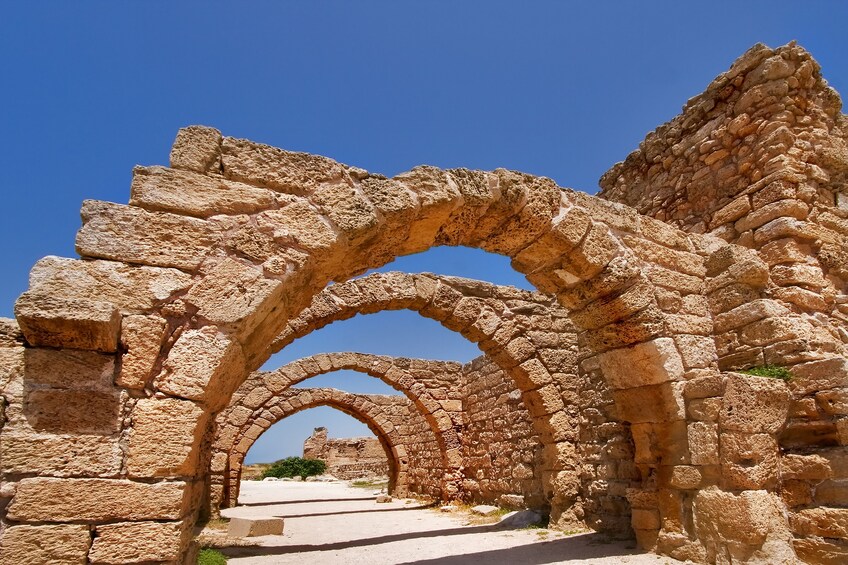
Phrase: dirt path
x=331 y=523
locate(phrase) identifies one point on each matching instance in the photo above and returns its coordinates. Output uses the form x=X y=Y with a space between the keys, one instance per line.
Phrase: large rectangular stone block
x=60 y=455
x=68 y=368
x=73 y=323
x=183 y=192
x=98 y=500
x=251 y=527
x=137 y=542
x=74 y=411
x=130 y=288
x=653 y=362
x=133 y=235
x=38 y=545
x=165 y=437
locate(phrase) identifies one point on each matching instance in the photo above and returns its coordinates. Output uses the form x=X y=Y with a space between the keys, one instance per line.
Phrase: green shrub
x=211 y=557
x=295 y=467
x=770 y=371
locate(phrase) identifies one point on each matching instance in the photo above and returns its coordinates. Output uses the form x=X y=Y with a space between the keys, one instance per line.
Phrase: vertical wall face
x=502 y=454
x=761 y=159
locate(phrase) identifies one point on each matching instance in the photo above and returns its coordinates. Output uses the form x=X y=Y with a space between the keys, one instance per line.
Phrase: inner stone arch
x=392 y=419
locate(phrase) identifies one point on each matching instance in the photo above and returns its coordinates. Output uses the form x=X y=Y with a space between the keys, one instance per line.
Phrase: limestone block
x=233 y=292
x=54 y=321
x=168 y=190
x=649 y=363
x=819 y=375
x=63 y=500
x=805 y=467
x=60 y=455
x=750 y=518
x=821 y=552
x=607 y=310
x=74 y=411
x=299 y=223
x=772 y=330
x=202 y=365
x=703 y=443
x=653 y=403
x=36 y=545
x=126 y=233
x=136 y=542
x=252 y=527
x=665 y=443
x=748 y=461
x=141 y=339
x=197 y=148
x=165 y=437
x=130 y=288
x=68 y=368
x=696 y=351
x=754 y=404
x=284 y=171
x=748 y=313
x=347 y=209
x=823 y=521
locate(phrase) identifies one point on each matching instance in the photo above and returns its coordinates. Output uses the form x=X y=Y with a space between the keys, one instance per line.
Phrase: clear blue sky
x=561 y=89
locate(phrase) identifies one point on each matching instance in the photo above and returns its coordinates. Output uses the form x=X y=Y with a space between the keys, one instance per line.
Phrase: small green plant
x=770 y=371
x=295 y=467
x=211 y=557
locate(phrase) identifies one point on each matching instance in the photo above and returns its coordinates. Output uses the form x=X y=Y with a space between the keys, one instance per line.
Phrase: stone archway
x=390 y=418
x=443 y=417
x=210 y=260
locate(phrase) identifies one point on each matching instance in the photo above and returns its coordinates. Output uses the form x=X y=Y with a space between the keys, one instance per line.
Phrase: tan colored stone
x=299 y=223
x=819 y=375
x=748 y=461
x=653 y=362
x=68 y=368
x=60 y=455
x=133 y=235
x=64 y=500
x=703 y=443
x=74 y=411
x=137 y=542
x=754 y=404
x=131 y=288
x=160 y=189
x=696 y=351
x=165 y=438
x=821 y=552
x=823 y=521
x=203 y=365
x=66 y=544
x=141 y=339
x=197 y=148
x=284 y=171
x=750 y=518
x=52 y=321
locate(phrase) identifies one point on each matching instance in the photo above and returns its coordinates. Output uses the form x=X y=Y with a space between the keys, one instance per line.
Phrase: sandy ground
x=331 y=523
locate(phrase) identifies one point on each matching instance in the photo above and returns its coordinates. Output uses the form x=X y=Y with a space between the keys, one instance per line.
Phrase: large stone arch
x=443 y=416
x=385 y=416
x=181 y=292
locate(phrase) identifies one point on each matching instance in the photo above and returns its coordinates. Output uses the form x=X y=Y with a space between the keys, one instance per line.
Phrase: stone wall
x=501 y=453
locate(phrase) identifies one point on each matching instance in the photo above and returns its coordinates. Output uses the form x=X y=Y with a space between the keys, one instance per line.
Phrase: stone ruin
x=610 y=398
x=347 y=458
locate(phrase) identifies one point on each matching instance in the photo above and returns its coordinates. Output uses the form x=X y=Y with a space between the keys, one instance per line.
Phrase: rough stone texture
x=36 y=545
x=252 y=527
x=726 y=250
x=63 y=500
x=137 y=542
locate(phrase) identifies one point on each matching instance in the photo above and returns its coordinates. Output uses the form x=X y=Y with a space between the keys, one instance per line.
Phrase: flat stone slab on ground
x=520 y=519
x=252 y=527
x=384 y=498
x=484 y=509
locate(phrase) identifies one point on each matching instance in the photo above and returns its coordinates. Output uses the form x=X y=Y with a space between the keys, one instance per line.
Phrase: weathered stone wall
x=501 y=453
x=133 y=349
x=760 y=159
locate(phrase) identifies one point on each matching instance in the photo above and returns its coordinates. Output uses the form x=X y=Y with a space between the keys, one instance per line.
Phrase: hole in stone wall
x=468 y=262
